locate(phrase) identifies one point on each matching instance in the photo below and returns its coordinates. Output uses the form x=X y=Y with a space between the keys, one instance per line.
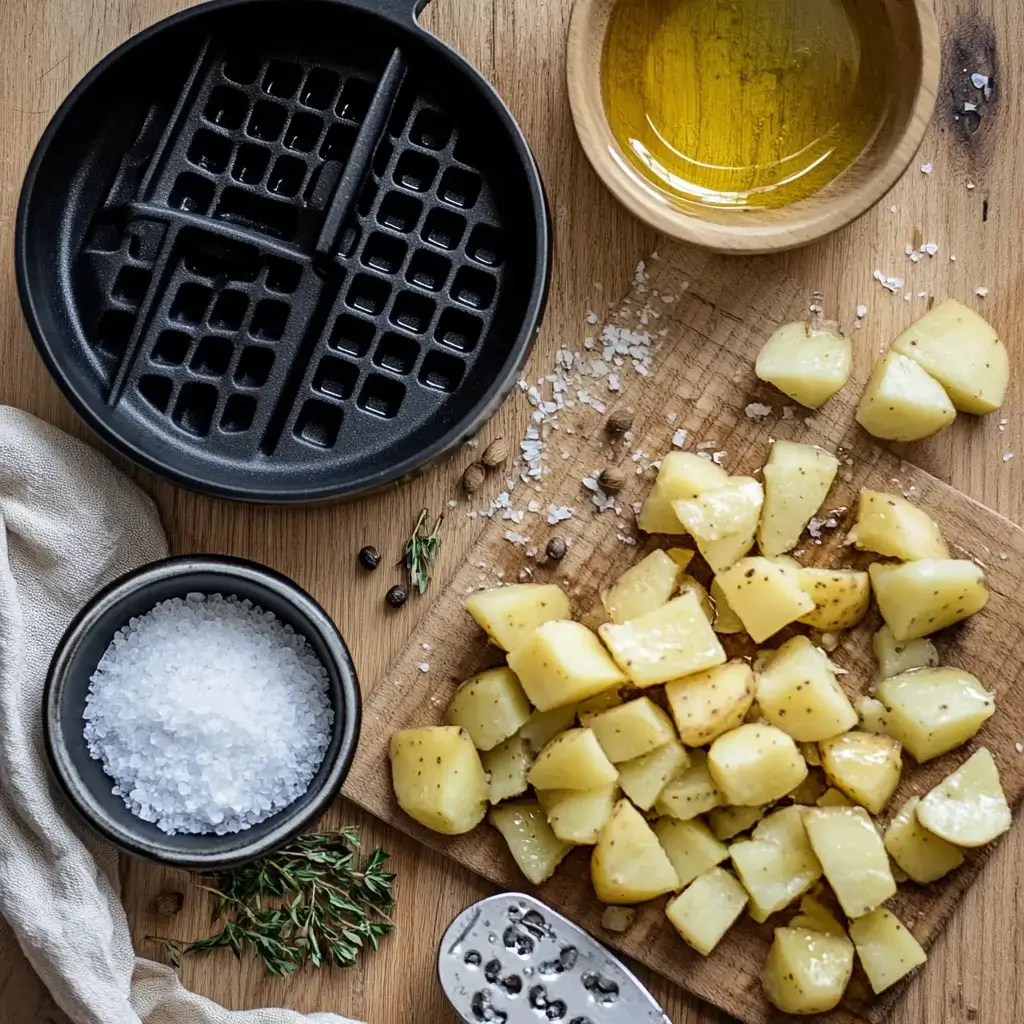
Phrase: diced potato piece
x=572 y=760
x=841 y=597
x=865 y=766
x=833 y=798
x=723 y=522
x=933 y=710
x=873 y=715
x=682 y=475
x=968 y=808
x=508 y=615
x=643 y=778
x=681 y=556
x=709 y=703
x=918 y=598
x=507 y=764
x=777 y=864
x=688 y=585
x=640 y=589
x=852 y=856
x=536 y=849
x=632 y=729
x=690 y=846
x=901 y=402
x=808 y=363
x=807 y=971
x=962 y=352
x=561 y=663
x=887 y=950
x=798 y=692
x=726 y=822
x=923 y=856
x=490 y=707
x=809 y=752
x=704 y=911
x=896 y=658
x=810 y=789
x=543 y=726
x=674 y=640
x=691 y=793
x=578 y=815
x=593 y=706
x=765 y=595
x=726 y=620
x=628 y=864
x=797 y=478
x=815 y=916
x=755 y=764
x=891 y=525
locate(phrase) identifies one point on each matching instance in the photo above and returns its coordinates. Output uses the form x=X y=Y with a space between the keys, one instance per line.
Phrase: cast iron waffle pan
x=284 y=250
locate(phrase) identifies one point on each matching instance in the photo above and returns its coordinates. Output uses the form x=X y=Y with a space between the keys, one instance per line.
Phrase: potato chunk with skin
x=709 y=703
x=536 y=849
x=672 y=641
x=692 y=792
x=681 y=475
x=438 y=778
x=708 y=907
x=807 y=971
x=852 y=856
x=765 y=595
x=797 y=691
x=864 y=765
x=894 y=658
x=890 y=525
x=968 y=808
x=962 y=352
x=901 y=402
x=809 y=363
x=887 y=950
x=726 y=620
x=690 y=846
x=643 y=778
x=632 y=729
x=508 y=615
x=797 y=478
x=563 y=663
x=923 y=856
x=628 y=864
x=723 y=522
x=577 y=815
x=572 y=760
x=643 y=587
x=755 y=764
x=841 y=597
x=490 y=707
x=919 y=598
x=726 y=822
x=507 y=765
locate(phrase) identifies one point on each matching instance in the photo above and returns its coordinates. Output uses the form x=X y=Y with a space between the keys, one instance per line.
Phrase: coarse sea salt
x=209 y=713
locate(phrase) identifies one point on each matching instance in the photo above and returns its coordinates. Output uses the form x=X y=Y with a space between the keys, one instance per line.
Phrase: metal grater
x=510 y=959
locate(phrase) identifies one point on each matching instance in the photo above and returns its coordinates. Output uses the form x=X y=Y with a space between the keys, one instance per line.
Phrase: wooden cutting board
x=706 y=317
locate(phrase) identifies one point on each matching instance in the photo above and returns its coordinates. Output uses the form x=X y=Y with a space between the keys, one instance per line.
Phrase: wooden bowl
x=915 y=39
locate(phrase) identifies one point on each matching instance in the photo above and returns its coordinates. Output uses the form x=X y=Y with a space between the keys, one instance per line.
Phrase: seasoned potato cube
x=841 y=597
x=962 y=352
x=691 y=793
x=887 y=950
x=852 y=856
x=726 y=620
x=690 y=846
x=873 y=715
x=896 y=658
x=490 y=707
x=674 y=640
x=808 y=363
x=543 y=726
x=798 y=692
x=797 y=478
x=968 y=808
x=807 y=971
x=723 y=522
x=833 y=798
x=765 y=595
x=643 y=778
x=561 y=663
x=682 y=475
x=777 y=864
x=438 y=778
x=865 y=766
x=508 y=615
x=933 y=710
x=572 y=760
x=901 y=402
x=578 y=815
x=640 y=589
x=923 y=856
x=709 y=703
x=809 y=752
x=632 y=729
x=536 y=849
x=688 y=585
x=707 y=908
x=755 y=764
x=507 y=764
x=681 y=556
x=891 y=525
x=918 y=598
x=628 y=864
x=593 y=706
x=815 y=916
x=726 y=822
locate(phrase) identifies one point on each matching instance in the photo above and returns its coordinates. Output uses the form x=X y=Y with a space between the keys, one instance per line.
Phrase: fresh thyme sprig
x=308 y=903
x=421 y=551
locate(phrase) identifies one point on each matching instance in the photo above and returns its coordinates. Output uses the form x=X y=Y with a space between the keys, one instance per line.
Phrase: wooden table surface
x=47 y=45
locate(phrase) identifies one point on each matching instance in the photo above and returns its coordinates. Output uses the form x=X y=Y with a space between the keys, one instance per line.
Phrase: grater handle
x=402 y=11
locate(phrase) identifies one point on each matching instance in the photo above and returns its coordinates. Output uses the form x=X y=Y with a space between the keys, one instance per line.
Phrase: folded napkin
x=69 y=524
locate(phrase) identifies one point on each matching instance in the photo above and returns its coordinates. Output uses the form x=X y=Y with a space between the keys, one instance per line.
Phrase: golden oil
x=745 y=103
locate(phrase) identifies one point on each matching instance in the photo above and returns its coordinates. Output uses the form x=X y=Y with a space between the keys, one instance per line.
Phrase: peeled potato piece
x=923 y=856
x=491 y=707
x=755 y=764
x=726 y=620
x=968 y=808
x=640 y=589
x=833 y=798
x=688 y=585
x=895 y=658
x=578 y=815
x=727 y=822
x=887 y=950
x=681 y=475
x=841 y=597
x=865 y=766
x=815 y=916
x=723 y=522
x=810 y=364
x=891 y=525
x=704 y=911
x=692 y=792
x=572 y=760
x=901 y=402
x=543 y=726
x=507 y=766
x=807 y=971
x=765 y=595
x=628 y=864
x=712 y=702
x=632 y=729
x=690 y=846
x=644 y=778
x=508 y=615
x=536 y=849
x=797 y=478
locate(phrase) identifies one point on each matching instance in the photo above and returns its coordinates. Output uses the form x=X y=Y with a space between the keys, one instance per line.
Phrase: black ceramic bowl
x=83 y=780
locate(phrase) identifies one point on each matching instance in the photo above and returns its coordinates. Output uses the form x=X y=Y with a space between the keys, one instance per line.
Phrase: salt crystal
x=978 y=80
x=671 y=417
x=931 y=248
x=969 y=107
x=591 y=317
x=862 y=311
x=426 y=647
x=513 y=515
x=788 y=412
x=558 y=514
x=893 y=284
x=981 y=292
x=926 y=168
x=1007 y=456
x=423 y=666
x=519 y=539
x=1019 y=747
x=718 y=458
x=705 y=445
x=679 y=438
x=757 y=411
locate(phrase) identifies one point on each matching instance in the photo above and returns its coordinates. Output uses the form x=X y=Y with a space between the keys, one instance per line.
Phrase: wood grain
x=47 y=45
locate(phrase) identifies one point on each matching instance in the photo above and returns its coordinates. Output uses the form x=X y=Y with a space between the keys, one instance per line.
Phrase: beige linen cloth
x=70 y=523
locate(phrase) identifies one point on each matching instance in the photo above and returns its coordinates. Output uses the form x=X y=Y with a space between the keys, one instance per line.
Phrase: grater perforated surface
x=284 y=250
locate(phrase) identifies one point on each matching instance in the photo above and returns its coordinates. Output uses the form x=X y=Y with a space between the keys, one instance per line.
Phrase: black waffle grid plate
x=284 y=250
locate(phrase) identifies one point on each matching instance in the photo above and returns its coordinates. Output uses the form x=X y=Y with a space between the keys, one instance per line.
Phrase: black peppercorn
x=556 y=549
x=397 y=596
x=369 y=557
